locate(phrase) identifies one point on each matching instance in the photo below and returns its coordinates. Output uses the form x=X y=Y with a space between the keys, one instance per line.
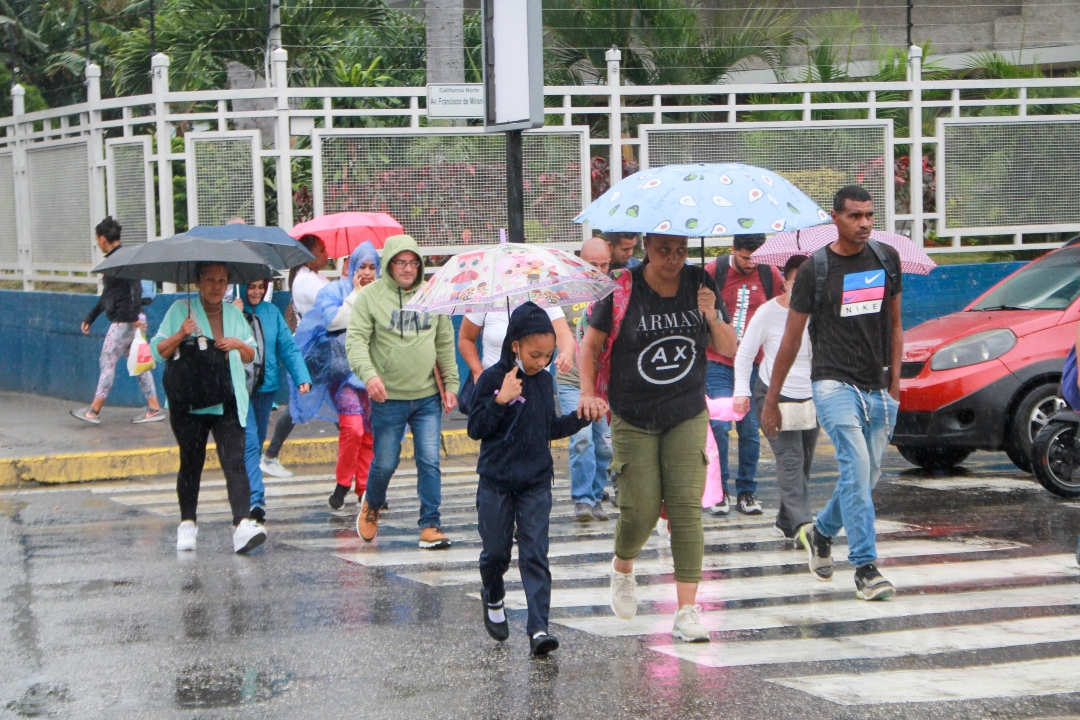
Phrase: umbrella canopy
x=174 y=260
x=278 y=247
x=343 y=232
x=504 y=276
x=703 y=201
x=780 y=247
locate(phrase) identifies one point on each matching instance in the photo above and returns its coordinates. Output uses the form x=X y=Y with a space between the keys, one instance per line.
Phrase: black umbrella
x=273 y=243
x=174 y=259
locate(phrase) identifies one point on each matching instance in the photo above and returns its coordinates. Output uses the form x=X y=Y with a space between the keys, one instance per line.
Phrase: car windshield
x=1049 y=284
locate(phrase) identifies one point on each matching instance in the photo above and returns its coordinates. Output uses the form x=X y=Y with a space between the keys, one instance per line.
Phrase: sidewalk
x=41 y=442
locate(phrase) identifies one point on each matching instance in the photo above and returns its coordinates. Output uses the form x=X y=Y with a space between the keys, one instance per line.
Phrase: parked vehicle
x=987 y=377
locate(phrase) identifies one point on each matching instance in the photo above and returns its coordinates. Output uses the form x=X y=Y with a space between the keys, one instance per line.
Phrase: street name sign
x=455 y=101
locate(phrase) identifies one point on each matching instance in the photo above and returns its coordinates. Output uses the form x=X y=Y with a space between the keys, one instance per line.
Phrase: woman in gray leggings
x=794 y=445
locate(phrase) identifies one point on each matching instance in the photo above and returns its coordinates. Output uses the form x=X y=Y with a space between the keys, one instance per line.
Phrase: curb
x=86 y=467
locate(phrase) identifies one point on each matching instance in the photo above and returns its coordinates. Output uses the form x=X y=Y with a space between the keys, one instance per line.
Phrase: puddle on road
x=207 y=686
x=40 y=700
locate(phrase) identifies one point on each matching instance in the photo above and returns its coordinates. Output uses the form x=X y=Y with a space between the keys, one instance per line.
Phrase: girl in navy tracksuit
x=513 y=415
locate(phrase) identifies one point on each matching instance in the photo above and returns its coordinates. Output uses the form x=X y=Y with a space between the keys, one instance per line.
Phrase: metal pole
x=86 y=28
x=910 y=25
x=153 y=38
x=515 y=188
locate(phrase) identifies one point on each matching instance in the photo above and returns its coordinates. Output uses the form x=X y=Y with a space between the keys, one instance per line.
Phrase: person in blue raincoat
x=275 y=343
x=337 y=394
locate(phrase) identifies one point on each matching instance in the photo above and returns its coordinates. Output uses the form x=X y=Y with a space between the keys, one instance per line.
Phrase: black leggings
x=282 y=429
x=191 y=432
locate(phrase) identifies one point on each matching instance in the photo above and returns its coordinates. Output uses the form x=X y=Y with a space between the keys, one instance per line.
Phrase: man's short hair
x=748 y=242
x=616 y=238
x=794 y=263
x=856 y=193
x=109 y=229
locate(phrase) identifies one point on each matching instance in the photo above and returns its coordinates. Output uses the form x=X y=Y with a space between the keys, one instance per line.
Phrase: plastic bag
x=139 y=358
x=719 y=409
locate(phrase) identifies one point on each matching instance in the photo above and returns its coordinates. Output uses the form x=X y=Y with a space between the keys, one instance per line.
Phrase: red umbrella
x=781 y=246
x=343 y=232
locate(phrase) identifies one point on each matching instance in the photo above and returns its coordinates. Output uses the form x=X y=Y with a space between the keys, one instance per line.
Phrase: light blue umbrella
x=703 y=201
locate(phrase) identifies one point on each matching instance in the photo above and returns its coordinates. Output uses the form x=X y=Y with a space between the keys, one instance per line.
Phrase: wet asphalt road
x=99 y=617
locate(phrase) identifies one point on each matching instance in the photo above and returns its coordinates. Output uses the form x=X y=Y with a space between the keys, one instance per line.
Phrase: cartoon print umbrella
x=343 y=232
x=782 y=246
x=703 y=200
x=503 y=276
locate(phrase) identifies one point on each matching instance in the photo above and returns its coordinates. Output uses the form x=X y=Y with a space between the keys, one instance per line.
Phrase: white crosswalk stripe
x=755 y=588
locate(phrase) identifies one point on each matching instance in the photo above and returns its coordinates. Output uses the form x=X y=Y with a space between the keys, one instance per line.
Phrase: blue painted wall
x=43 y=351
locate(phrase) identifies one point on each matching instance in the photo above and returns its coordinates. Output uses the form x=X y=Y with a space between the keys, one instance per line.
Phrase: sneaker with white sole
x=87 y=415
x=623 y=598
x=248 y=535
x=747 y=504
x=149 y=416
x=870 y=585
x=688 y=627
x=186 y=535
x=274 y=468
x=433 y=538
x=819 y=548
x=720 y=509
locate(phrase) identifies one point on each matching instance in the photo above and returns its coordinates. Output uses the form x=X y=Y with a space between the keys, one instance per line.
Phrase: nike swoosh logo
x=871 y=278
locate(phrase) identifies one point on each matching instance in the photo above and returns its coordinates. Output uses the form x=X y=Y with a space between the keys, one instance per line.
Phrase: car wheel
x=934 y=458
x=1056 y=460
x=1030 y=416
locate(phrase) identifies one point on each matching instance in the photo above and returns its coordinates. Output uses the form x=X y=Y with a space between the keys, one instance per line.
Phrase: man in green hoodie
x=395 y=351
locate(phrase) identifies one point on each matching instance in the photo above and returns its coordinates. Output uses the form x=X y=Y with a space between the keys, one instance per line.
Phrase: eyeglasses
x=405 y=263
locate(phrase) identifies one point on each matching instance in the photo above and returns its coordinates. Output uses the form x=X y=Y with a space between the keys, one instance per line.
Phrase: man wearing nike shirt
x=858 y=341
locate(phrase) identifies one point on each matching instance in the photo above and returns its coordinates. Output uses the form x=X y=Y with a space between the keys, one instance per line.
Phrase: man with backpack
x=850 y=292
x=744 y=286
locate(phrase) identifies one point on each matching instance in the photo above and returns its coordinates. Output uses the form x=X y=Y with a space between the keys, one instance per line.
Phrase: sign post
x=513 y=89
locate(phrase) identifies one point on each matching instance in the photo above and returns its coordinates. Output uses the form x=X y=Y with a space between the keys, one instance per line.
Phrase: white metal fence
x=999 y=159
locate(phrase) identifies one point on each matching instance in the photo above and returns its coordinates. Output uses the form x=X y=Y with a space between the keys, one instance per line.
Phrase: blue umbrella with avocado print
x=703 y=200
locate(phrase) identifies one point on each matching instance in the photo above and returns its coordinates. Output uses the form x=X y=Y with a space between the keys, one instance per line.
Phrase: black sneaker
x=337 y=498
x=258 y=514
x=497 y=630
x=869 y=585
x=748 y=504
x=543 y=644
x=819 y=548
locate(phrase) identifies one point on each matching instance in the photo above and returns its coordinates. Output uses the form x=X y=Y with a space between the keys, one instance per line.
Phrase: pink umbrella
x=781 y=246
x=343 y=232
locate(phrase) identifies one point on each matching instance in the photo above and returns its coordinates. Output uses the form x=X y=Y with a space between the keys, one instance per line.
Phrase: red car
x=987 y=377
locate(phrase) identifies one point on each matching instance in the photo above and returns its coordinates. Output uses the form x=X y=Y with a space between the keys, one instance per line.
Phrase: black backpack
x=255 y=371
x=720 y=272
x=820 y=258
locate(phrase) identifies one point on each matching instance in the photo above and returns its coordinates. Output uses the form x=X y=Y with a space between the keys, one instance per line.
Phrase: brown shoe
x=432 y=538
x=367 y=522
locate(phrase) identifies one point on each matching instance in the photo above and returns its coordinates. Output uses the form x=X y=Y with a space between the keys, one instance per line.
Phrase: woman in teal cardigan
x=212 y=319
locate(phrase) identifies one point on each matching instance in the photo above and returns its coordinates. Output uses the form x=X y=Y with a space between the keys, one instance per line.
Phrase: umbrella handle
x=797 y=245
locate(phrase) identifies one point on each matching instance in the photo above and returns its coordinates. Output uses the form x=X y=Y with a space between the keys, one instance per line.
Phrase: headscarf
x=326 y=362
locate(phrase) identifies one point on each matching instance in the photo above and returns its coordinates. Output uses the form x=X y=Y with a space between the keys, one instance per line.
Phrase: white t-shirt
x=306 y=285
x=494 y=325
x=766 y=330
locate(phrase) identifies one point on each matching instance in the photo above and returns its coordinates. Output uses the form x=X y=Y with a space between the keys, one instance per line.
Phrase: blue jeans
x=388 y=421
x=720 y=382
x=590 y=454
x=859 y=423
x=254 y=435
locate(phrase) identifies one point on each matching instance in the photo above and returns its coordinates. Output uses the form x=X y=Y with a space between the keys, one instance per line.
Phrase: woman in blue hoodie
x=513 y=415
x=276 y=344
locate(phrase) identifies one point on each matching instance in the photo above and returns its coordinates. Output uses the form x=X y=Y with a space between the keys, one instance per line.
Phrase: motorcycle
x=1056 y=454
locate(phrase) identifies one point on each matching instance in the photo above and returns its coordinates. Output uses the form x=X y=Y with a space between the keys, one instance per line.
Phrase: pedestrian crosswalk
x=960 y=594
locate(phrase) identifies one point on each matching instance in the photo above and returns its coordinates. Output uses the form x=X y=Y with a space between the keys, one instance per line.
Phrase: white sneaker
x=623 y=600
x=186 y=535
x=274 y=468
x=688 y=627
x=248 y=536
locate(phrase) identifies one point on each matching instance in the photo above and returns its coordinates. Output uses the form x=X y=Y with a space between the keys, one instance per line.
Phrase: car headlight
x=978 y=348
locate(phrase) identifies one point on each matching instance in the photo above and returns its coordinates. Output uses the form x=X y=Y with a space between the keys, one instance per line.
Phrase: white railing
x=1003 y=155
